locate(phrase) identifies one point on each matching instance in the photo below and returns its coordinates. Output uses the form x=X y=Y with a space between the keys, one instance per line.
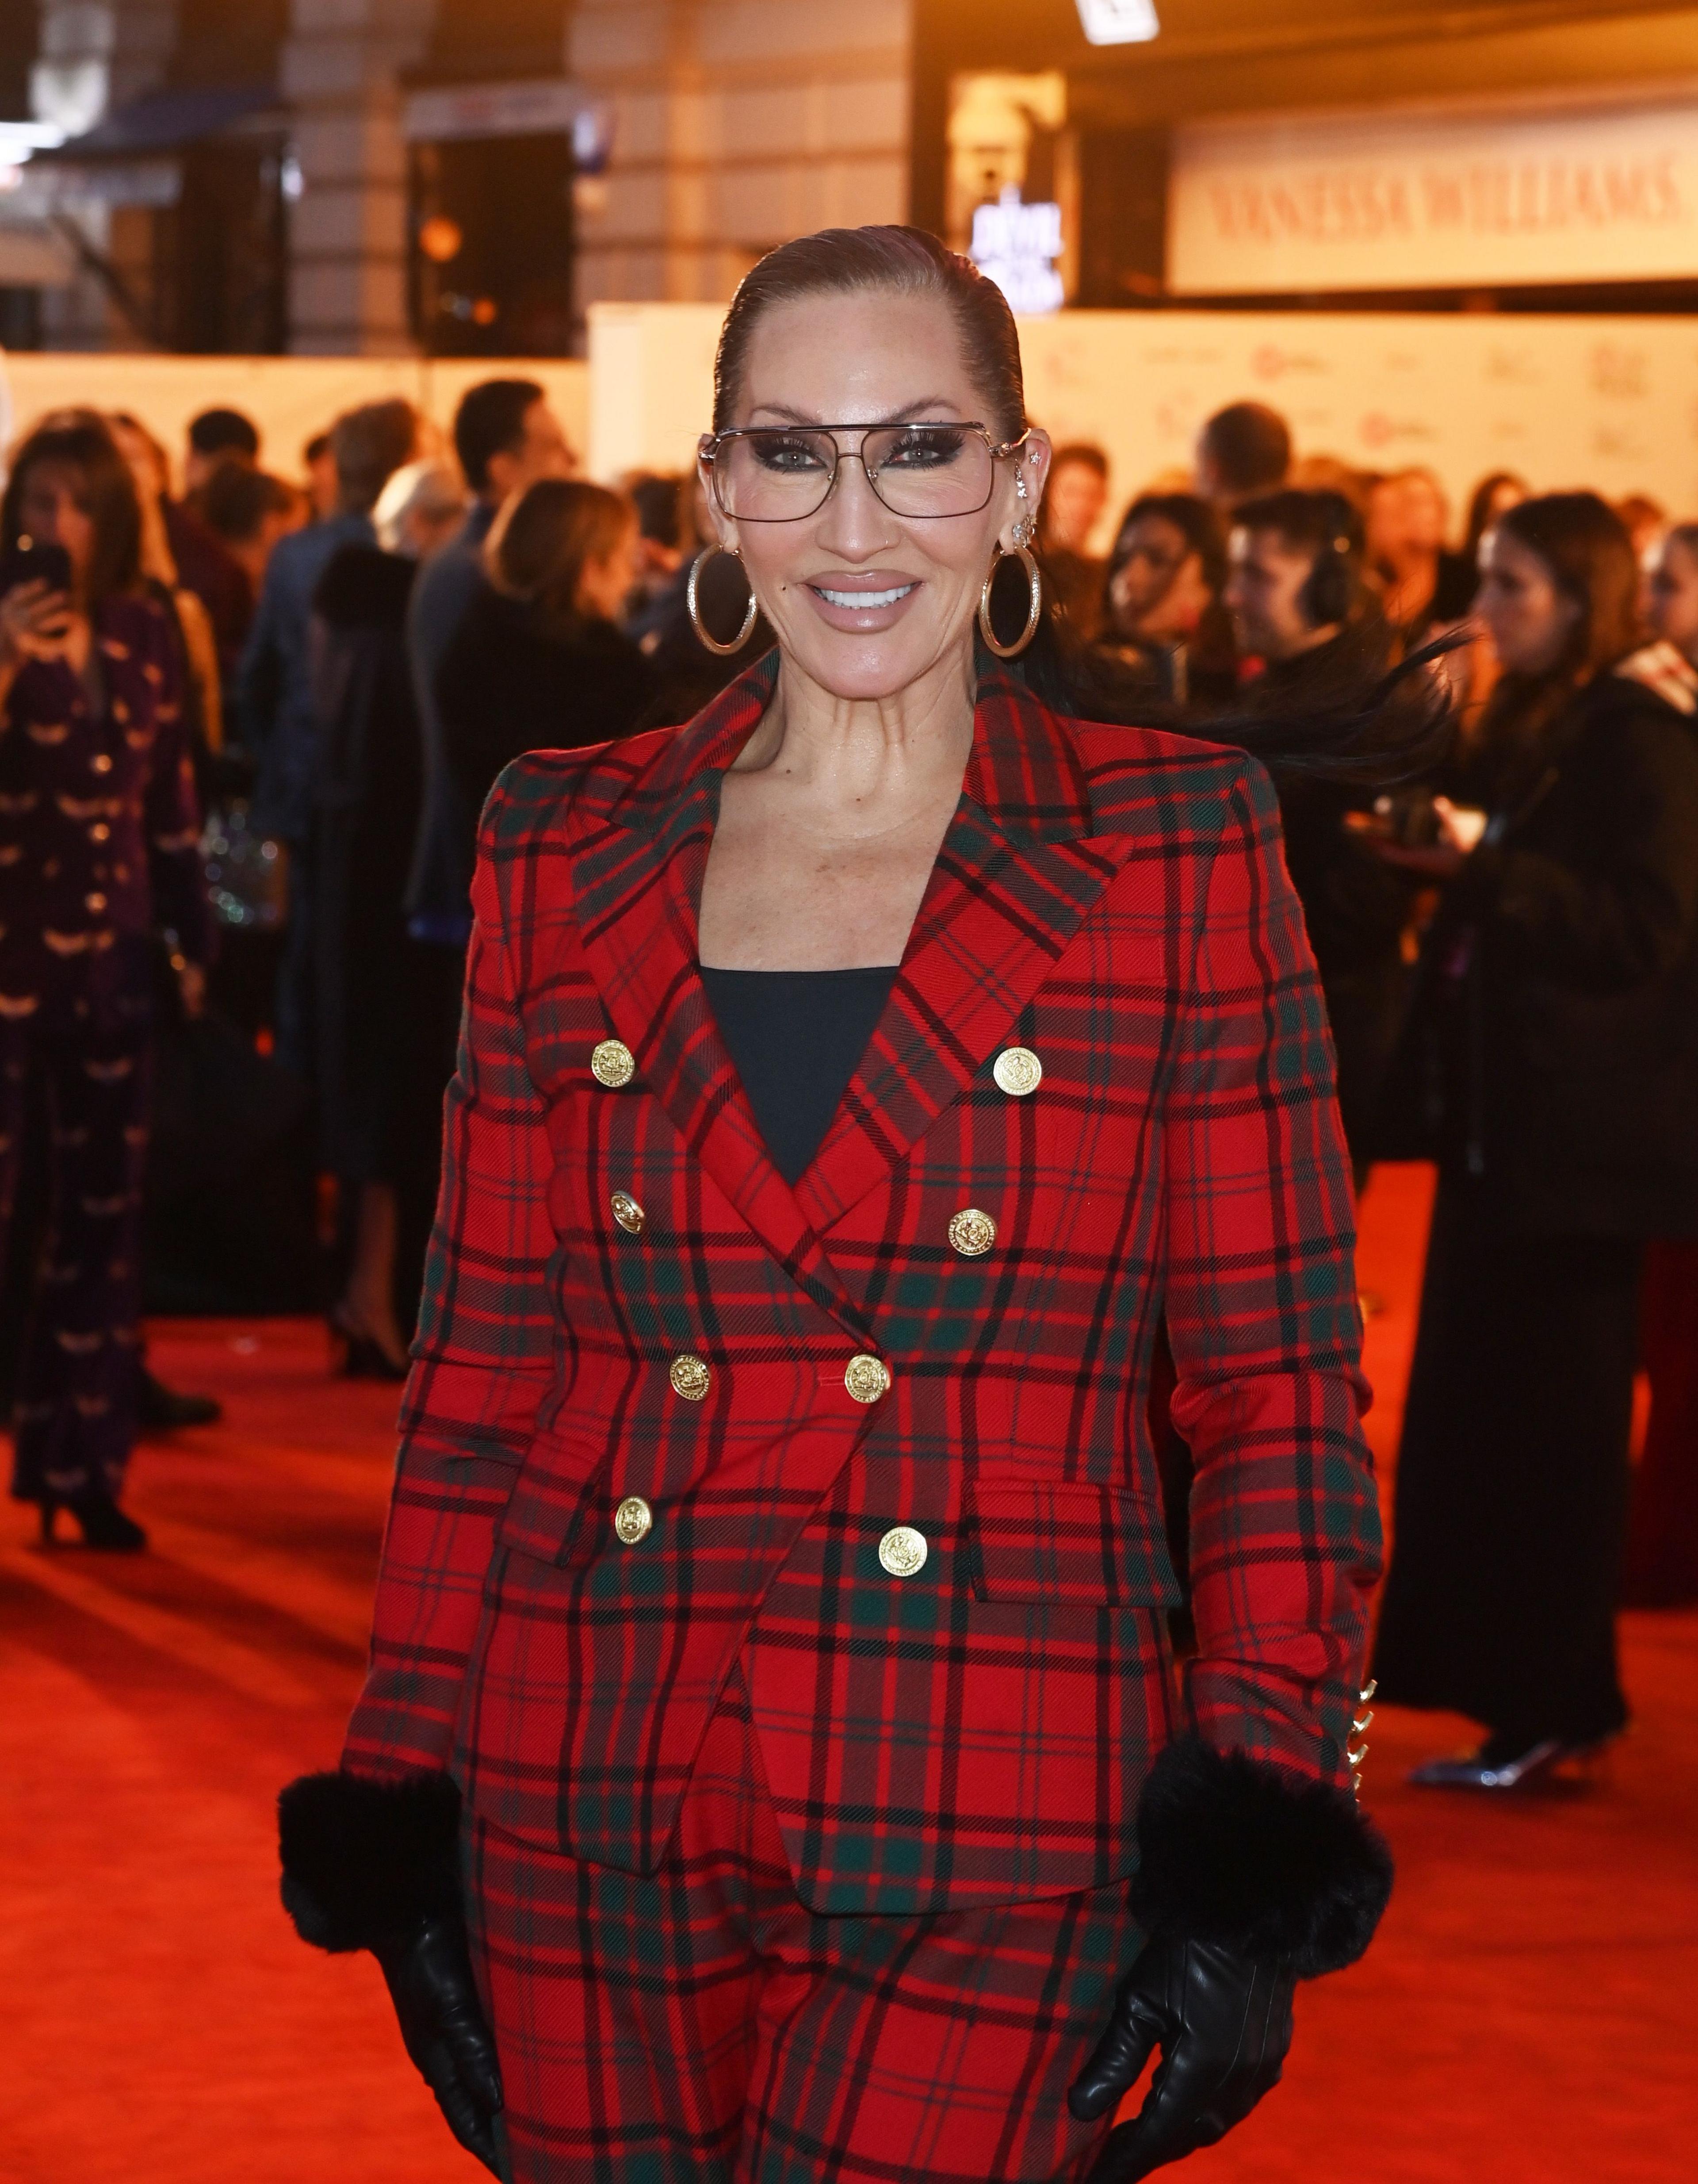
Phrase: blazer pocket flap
x=1067 y=1542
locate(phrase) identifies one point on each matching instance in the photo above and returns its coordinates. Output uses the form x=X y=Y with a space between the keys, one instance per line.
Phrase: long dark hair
x=81 y=440
x=1346 y=727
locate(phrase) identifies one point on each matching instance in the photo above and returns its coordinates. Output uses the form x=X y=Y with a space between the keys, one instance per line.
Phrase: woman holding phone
x=98 y=848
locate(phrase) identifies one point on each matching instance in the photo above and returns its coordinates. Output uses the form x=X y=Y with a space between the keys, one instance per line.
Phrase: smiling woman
x=773 y=1760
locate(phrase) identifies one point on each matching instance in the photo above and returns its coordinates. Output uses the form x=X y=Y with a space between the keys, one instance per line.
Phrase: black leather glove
x=428 y=1970
x=1222 y=2021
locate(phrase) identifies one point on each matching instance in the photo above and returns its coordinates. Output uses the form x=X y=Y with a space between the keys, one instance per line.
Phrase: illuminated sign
x=1016 y=246
x=1119 y=22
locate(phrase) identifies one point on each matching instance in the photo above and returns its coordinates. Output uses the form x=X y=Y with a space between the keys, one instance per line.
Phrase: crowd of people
x=336 y=669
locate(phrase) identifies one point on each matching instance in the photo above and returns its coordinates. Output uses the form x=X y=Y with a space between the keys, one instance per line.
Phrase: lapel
x=1014 y=876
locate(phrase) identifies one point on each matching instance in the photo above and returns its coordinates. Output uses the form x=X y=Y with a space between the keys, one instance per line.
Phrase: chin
x=868 y=667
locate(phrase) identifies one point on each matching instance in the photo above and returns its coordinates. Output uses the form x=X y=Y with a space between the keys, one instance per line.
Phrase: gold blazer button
x=628 y=1213
x=972 y=1232
x=902 y=1551
x=612 y=1064
x=632 y=1520
x=1018 y=1070
x=690 y=1378
x=866 y=1377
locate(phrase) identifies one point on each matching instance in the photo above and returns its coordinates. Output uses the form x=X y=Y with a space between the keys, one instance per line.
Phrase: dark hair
x=369 y=444
x=225 y=432
x=315 y=449
x=657 y=501
x=1480 y=510
x=82 y=440
x=902 y=261
x=1192 y=516
x=540 y=547
x=1248 y=446
x=237 y=500
x=1086 y=454
x=1585 y=546
x=490 y=421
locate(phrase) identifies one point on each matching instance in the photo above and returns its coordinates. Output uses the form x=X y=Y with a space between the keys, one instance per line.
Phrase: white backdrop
x=1611 y=403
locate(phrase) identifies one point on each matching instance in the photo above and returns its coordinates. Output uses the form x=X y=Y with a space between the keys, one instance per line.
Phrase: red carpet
x=1526 y=2013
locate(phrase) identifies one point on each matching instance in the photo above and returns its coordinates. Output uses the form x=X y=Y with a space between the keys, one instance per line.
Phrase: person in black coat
x=1552 y=1064
x=537 y=662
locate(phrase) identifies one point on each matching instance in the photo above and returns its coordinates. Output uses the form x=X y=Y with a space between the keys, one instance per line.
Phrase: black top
x=797 y=1036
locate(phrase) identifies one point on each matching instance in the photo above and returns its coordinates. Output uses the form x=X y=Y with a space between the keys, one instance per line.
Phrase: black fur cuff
x=1238 y=1852
x=363 y=1860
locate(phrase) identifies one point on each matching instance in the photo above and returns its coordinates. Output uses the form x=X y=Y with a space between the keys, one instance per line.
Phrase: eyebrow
x=906 y=414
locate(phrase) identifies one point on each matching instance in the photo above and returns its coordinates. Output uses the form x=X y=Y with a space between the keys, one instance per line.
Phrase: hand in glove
x=1222 y=2021
x=428 y=1970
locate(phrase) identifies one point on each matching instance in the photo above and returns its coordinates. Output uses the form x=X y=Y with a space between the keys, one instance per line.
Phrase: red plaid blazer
x=978 y=1730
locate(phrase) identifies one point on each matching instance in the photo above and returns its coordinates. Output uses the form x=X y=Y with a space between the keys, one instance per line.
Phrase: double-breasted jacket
x=677 y=1432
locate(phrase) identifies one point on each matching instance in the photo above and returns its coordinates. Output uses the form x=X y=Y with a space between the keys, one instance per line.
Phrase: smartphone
x=27 y=563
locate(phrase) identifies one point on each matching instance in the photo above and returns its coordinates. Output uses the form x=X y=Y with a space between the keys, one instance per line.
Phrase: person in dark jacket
x=99 y=837
x=1161 y=612
x=1553 y=1057
x=538 y=662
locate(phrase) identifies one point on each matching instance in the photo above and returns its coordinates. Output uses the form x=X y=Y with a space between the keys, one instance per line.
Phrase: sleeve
x=483 y=1359
x=1265 y=1327
x=171 y=811
x=258 y=689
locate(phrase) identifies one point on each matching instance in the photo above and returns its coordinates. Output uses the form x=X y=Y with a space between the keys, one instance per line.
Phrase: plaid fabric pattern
x=978 y=1731
x=698 y=2025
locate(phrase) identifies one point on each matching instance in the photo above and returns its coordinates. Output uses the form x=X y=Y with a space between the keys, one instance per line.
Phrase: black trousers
x=1511 y=1495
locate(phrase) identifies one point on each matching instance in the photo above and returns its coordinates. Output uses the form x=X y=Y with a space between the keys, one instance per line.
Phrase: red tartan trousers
x=700 y=2022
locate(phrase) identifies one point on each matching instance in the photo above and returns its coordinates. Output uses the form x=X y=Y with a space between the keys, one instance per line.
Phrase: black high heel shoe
x=102 y=1524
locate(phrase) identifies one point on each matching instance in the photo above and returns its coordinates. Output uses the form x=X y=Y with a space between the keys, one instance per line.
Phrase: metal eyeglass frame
x=713 y=442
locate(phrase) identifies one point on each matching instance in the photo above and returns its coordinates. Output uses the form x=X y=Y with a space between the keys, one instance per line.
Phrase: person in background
x=199 y=563
x=1162 y=610
x=319 y=463
x=1331 y=473
x=369 y=1044
x=1423 y=588
x=1073 y=502
x=247 y=511
x=217 y=438
x=1491 y=499
x=1242 y=449
x=98 y=854
x=538 y=660
x=275 y=706
x=1552 y=1047
x=1660 y=1567
x=1300 y=606
x=659 y=503
x=1646 y=521
x=507 y=436
x=199 y=677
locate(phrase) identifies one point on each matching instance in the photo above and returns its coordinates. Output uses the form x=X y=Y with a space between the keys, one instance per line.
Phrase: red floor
x=1526 y=2013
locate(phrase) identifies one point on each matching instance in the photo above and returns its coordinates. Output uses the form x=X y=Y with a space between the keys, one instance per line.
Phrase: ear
x=1029 y=468
x=724 y=529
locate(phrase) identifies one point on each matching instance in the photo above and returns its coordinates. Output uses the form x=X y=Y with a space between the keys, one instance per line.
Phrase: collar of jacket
x=1017 y=871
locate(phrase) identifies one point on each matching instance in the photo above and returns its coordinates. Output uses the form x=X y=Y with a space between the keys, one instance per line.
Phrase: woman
x=98 y=835
x=538 y=661
x=1423 y=588
x=379 y=1087
x=1553 y=1046
x=850 y=1081
x=1161 y=612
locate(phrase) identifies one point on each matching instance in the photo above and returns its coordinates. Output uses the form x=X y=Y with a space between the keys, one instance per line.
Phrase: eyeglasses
x=767 y=474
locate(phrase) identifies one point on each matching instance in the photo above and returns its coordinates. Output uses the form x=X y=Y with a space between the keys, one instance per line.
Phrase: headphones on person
x=1330 y=588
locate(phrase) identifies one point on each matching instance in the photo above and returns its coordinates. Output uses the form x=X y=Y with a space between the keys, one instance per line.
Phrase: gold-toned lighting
x=1119 y=22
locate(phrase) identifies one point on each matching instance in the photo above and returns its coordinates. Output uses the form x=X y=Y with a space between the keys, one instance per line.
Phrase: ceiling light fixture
x=1119 y=22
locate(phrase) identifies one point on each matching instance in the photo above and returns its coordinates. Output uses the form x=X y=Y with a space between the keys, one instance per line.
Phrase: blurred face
x=1527 y=616
x=1264 y=587
x=866 y=603
x=54 y=511
x=145 y=467
x=1158 y=590
x=1074 y=501
x=544 y=452
x=1673 y=591
x=605 y=582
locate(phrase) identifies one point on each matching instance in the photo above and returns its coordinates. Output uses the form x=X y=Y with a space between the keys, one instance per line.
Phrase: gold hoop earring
x=1035 y=577
x=712 y=642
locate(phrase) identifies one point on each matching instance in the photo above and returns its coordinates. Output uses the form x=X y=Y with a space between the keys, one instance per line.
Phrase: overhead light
x=1119 y=22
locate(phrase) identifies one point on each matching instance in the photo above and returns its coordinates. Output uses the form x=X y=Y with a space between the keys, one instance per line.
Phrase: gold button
x=902 y=1551
x=612 y=1064
x=1018 y=1070
x=691 y=1378
x=633 y=1520
x=972 y=1232
x=866 y=1377
x=628 y=1213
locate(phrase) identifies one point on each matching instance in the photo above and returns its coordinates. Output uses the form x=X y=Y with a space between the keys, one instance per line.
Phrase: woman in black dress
x=1553 y=1051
